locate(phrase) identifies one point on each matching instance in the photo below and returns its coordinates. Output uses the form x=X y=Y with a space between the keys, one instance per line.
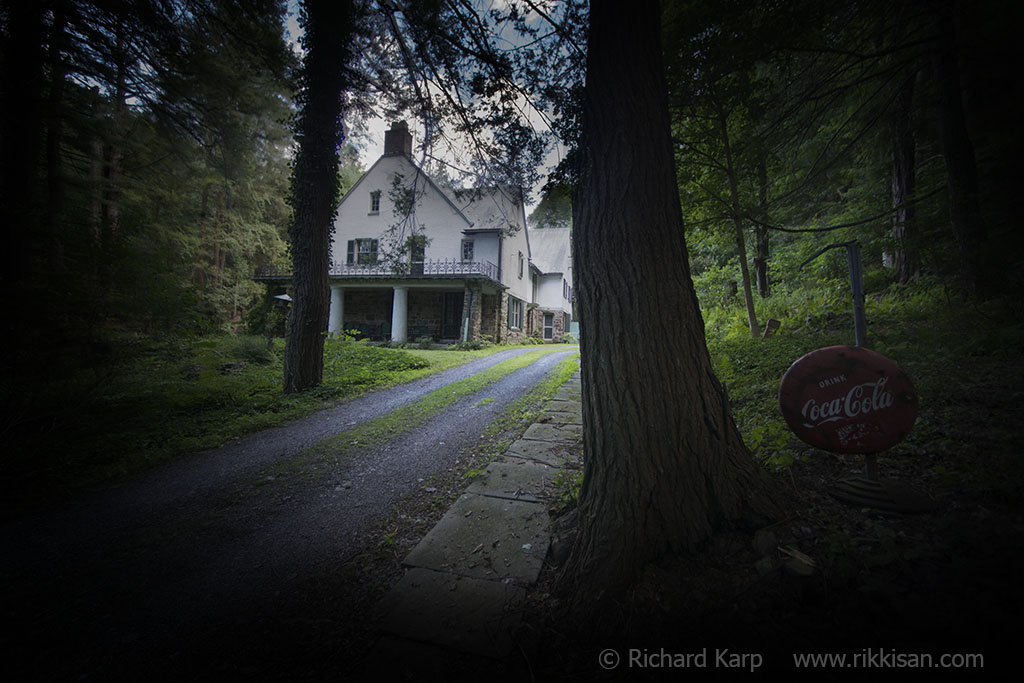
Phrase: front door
x=451 y=315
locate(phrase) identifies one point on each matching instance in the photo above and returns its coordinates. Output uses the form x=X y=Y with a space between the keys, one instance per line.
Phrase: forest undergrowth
x=832 y=577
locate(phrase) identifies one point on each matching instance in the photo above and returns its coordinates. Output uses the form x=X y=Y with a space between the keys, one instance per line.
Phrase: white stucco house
x=472 y=268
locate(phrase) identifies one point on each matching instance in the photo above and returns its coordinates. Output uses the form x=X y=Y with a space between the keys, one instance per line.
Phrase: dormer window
x=375 y=201
x=467 y=250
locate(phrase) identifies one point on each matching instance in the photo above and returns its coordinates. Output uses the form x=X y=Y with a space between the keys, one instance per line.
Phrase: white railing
x=434 y=268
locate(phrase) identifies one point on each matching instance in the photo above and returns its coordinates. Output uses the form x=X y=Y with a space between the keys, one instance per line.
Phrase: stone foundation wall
x=369 y=311
x=424 y=314
x=536 y=324
x=510 y=336
x=489 y=316
x=472 y=307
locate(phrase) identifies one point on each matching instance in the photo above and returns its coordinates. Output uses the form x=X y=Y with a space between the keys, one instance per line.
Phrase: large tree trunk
x=315 y=187
x=964 y=206
x=903 y=180
x=665 y=465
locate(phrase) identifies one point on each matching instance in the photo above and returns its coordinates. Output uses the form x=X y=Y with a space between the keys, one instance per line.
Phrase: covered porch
x=403 y=311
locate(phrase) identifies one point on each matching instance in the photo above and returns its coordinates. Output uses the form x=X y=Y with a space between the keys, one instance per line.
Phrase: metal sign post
x=852 y=400
x=856 y=285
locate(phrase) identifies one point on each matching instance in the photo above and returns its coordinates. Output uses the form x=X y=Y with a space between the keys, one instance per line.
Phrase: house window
x=375 y=201
x=362 y=251
x=549 y=326
x=520 y=265
x=467 y=250
x=515 y=313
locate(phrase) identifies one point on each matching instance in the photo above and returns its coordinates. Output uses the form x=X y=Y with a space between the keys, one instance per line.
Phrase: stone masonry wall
x=424 y=314
x=369 y=311
x=489 y=316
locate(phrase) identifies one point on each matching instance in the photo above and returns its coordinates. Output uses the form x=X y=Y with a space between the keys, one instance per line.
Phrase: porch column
x=399 y=315
x=471 y=312
x=336 y=321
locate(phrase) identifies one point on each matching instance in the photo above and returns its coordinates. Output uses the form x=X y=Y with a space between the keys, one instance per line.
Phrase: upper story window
x=520 y=265
x=375 y=201
x=467 y=250
x=362 y=251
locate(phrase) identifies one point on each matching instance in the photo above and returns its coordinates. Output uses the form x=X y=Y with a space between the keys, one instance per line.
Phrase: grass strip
x=406 y=418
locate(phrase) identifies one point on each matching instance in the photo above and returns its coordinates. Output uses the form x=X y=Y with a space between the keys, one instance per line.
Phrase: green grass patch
x=406 y=418
x=154 y=399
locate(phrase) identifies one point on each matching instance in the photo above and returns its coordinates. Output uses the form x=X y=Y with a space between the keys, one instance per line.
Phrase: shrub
x=472 y=345
x=252 y=348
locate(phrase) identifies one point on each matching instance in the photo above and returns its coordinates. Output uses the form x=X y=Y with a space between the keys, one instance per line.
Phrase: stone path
x=461 y=597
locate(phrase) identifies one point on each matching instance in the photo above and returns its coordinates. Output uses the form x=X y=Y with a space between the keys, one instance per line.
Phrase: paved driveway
x=141 y=574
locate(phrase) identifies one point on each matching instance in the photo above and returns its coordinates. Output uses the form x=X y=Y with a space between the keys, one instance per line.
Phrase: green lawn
x=154 y=400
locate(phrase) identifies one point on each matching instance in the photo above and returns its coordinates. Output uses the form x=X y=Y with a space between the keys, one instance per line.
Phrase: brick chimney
x=398 y=140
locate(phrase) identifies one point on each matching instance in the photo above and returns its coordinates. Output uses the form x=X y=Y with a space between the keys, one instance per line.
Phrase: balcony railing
x=440 y=268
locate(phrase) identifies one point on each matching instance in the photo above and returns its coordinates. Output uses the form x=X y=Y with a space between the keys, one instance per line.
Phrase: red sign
x=848 y=399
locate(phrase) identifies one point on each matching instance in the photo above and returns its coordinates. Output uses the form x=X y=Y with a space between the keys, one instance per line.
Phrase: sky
x=371 y=149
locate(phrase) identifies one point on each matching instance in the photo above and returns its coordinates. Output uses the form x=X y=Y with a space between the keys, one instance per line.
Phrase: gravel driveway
x=211 y=552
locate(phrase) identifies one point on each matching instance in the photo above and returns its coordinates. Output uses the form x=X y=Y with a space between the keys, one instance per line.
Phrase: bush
x=252 y=348
x=471 y=345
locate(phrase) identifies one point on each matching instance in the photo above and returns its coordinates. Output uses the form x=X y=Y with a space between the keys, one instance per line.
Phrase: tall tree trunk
x=737 y=221
x=111 y=207
x=761 y=232
x=665 y=465
x=20 y=143
x=54 y=136
x=96 y=179
x=314 y=186
x=961 y=169
x=904 y=180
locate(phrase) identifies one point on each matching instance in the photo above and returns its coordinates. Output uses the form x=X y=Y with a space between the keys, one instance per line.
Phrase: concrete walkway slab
x=562 y=417
x=525 y=482
x=471 y=615
x=546 y=431
x=487 y=538
x=547 y=453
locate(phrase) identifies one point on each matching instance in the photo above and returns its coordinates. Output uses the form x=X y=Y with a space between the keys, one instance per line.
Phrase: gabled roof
x=418 y=173
x=489 y=207
x=552 y=247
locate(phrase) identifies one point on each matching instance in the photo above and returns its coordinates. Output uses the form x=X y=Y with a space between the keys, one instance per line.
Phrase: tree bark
x=904 y=180
x=964 y=206
x=665 y=465
x=764 y=288
x=328 y=26
x=54 y=137
x=737 y=221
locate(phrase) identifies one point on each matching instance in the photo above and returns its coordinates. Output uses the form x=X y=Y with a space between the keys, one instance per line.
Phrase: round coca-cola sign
x=848 y=399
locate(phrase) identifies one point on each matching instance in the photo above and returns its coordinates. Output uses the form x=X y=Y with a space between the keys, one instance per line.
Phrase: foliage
x=161 y=189
x=472 y=345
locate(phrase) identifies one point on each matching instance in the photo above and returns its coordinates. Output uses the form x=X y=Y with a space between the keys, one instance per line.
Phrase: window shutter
x=351 y=252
